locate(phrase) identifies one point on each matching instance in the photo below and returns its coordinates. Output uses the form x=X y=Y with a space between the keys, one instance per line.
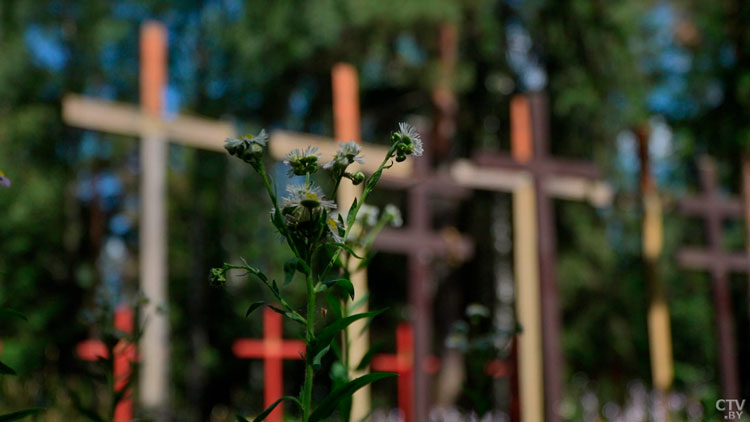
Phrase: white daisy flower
x=411 y=138
x=247 y=147
x=302 y=161
x=334 y=228
x=348 y=154
x=393 y=215
x=303 y=202
x=368 y=215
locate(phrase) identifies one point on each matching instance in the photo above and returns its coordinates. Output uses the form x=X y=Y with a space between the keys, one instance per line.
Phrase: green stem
x=309 y=335
x=284 y=229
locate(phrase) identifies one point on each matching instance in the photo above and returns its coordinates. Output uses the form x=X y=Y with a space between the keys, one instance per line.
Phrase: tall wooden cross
x=715 y=208
x=124 y=357
x=422 y=245
x=659 y=330
x=273 y=349
x=541 y=179
x=147 y=122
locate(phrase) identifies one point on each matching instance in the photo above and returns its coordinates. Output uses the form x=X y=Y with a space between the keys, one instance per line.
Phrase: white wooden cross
x=147 y=122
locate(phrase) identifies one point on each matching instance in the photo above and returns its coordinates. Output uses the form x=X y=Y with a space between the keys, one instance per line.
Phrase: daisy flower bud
x=356 y=178
x=409 y=141
x=248 y=148
x=217 y=277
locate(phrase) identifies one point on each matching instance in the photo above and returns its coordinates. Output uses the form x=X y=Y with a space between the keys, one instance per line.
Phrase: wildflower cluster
x=407 y=141
x=323 y=241
x=248 y=148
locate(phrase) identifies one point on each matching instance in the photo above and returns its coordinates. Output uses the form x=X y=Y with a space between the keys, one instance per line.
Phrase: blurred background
x=668 y=76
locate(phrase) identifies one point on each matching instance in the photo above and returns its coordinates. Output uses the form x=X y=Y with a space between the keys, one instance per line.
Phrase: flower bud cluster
x=408 y=142
x=248 y=148
x=303 y=162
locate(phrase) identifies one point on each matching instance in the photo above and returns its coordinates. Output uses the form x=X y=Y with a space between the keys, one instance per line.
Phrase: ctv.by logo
x=731 y=408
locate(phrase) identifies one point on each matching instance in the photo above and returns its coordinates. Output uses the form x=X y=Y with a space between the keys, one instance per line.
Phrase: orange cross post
x=346 y=121
x=125 y=355
x=273 y=349
x=402 y=363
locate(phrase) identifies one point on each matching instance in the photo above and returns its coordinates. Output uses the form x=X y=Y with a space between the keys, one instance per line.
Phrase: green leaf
x=319 y=357
x=270 y=408
x=350 y=216
x=326 y=335
x=241 y=419
x=6 y=370
x=254 y=306
x=344 y=284
x=7 y=312
x=331 y=402
x=293 y=265
x=345 y=247
x=373 y=180
x=19 y=414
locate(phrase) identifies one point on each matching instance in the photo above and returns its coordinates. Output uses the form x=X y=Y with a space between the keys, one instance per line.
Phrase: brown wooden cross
x=536 y=178
x=715 y=208
x=273 y=349
x=148 y=123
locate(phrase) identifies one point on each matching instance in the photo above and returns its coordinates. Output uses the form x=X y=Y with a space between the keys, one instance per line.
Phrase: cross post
x=125 y=356
x=154 y=376
x=273 y=349
x=715 y=208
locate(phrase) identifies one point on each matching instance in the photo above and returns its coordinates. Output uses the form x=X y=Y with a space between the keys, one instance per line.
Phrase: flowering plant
x=317 y=235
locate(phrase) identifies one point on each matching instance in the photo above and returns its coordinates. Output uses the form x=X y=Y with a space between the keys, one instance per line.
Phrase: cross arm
x=124 y=119
x=508 y=175
x=730 y=207
x=445 y=244
x=550 y=166
x=701 y=259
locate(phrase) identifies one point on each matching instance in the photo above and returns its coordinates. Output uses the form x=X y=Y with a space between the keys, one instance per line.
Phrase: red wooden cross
x=402 y=363
x=273 y=349
x=714 y=207
x=125 y=355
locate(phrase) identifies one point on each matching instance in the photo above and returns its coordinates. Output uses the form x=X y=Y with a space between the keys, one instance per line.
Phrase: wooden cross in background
x=715 y=208
x=273 y=349
x=147 y=122
x=652 y=244
x=421 y=244
x=402 y=363
x=125 y=356
x=535 y=178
